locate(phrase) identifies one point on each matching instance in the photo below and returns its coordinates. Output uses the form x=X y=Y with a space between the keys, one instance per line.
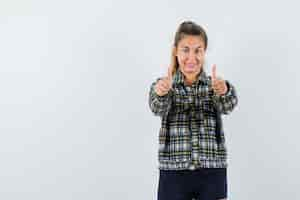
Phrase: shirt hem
x=186 y=165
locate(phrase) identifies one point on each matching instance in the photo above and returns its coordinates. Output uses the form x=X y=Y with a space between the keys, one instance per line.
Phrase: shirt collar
x=179 y=77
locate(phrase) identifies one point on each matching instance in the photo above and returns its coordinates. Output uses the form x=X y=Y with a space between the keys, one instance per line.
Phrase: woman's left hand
x=218 y=84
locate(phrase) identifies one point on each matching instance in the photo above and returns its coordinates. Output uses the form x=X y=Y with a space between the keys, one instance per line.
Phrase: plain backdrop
x=74 y=82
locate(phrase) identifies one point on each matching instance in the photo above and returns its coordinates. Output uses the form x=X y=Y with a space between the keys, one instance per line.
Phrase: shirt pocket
x=207 y=106
x=180 y=104
x=209 y=116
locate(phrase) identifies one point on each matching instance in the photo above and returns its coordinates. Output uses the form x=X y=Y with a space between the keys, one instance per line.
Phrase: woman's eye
x=199 y=51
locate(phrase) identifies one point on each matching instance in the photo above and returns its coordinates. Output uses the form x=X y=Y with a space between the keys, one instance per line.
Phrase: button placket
x=192 y=127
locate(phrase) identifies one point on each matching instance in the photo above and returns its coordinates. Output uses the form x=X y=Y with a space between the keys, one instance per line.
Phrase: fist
x=218 y=84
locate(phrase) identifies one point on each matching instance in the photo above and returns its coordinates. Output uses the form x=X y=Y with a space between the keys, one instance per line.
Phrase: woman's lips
x=191 y=65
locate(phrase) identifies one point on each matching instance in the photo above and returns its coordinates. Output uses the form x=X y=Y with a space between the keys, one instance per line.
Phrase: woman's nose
x=192 y=57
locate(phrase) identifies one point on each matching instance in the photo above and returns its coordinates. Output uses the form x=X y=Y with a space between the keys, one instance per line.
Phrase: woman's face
x=190 y=55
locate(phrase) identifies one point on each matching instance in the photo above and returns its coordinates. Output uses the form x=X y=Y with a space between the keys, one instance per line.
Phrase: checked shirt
x=191 y=134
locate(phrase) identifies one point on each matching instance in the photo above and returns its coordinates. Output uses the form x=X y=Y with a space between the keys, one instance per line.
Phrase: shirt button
x=192 y=167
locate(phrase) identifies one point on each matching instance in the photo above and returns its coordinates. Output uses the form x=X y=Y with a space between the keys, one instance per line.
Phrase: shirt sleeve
x=227 y=102
x=159 y=105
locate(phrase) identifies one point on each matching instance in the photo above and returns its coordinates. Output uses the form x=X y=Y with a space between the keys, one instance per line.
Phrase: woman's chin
x=190 y=71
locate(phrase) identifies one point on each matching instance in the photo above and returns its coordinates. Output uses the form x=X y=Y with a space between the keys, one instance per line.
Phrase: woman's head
x=189 y=49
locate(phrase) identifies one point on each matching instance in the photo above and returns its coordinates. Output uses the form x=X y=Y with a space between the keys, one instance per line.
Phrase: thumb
x=214 y=73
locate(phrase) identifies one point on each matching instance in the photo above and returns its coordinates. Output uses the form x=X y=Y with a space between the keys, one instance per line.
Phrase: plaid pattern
x=191 y=133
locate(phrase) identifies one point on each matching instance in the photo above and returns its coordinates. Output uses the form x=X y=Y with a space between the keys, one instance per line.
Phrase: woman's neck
x=190 y=79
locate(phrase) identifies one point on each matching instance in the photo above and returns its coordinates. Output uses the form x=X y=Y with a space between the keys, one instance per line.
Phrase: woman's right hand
x=164 y=85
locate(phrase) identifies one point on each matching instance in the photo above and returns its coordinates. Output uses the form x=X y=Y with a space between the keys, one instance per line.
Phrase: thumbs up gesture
x=218 y=84
x=163 y=86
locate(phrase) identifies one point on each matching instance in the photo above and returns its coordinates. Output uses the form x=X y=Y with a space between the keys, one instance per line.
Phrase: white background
x=74 y=83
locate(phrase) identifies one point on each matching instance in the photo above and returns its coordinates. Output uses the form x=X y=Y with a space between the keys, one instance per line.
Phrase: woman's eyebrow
x=199 y=47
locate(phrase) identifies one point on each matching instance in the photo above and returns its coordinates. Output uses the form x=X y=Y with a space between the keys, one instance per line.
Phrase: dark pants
x=202 y=184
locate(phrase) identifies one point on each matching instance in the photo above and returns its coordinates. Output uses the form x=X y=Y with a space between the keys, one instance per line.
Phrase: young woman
x=192 y=152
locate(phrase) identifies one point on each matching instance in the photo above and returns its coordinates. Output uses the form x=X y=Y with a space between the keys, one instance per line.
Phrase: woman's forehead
x=191 y=42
